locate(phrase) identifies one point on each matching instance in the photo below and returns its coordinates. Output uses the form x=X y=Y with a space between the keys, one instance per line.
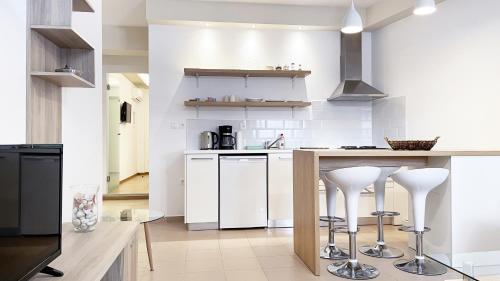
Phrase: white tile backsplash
x=388 y=120
x=340 y=124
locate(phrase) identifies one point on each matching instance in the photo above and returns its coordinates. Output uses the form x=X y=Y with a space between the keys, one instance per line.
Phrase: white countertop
x=257 y=151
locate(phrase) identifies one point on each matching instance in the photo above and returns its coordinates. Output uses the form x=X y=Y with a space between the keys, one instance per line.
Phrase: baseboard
x=130 y=196
x=203 y=226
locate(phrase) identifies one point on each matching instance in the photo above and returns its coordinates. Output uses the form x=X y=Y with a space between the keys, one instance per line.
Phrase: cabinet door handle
x=285 y=158
x=201 y=158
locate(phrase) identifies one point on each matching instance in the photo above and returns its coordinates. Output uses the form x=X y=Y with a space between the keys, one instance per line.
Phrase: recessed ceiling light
x=424 y=7
x=352 y=21
x=253 y=25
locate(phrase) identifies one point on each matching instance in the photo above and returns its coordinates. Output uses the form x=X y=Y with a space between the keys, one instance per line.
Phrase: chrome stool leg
x=420 y=264
x=331 y=251
x=352 y=269
x=380 y=249
x=419 y=182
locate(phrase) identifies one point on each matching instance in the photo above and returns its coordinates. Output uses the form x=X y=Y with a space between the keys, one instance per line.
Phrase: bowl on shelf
x=411 y=144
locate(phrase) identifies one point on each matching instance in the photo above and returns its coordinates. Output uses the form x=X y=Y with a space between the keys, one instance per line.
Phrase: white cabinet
x=202 y=189
x=280 y=190
x=400 y=204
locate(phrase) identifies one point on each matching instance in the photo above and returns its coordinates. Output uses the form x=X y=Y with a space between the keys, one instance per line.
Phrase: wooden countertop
x=88 y=256
x=397 y=153
x=241 y=151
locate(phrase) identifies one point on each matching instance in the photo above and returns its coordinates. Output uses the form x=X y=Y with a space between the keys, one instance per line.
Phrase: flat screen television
x=126 y=113
x=30 y=208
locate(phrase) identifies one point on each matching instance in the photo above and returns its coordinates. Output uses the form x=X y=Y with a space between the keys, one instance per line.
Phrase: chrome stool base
x=421 y=266
x=332 y=252
x=381 y=251
x=352 y=270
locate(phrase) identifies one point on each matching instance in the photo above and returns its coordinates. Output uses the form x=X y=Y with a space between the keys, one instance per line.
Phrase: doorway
x=128 y=136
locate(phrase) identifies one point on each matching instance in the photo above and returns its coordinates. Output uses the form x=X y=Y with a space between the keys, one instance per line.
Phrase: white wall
x=172 y=48
x=82 y=118
x=125 y=40
x=13 y=74
x=133 y=136
x=142 y=121
x=447 y=67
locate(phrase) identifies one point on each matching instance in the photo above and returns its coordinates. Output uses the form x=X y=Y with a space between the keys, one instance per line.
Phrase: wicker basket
x=412 y=144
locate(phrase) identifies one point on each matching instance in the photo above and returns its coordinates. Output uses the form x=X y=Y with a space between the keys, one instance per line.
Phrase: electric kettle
x=208 y=140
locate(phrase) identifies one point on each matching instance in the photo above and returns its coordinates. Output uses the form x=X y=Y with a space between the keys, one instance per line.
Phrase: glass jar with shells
x=84 y=213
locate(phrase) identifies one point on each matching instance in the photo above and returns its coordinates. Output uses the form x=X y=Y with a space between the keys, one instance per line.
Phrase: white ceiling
x=360 y=3
x=133 y=12
x=124 y=12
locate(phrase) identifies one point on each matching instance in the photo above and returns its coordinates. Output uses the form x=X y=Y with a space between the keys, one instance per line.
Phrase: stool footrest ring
x=411 y=229
x=330 y=219
x=385 y=214
x=342 y=229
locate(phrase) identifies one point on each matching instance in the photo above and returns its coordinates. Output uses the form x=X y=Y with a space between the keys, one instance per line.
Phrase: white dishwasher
x=243 y=191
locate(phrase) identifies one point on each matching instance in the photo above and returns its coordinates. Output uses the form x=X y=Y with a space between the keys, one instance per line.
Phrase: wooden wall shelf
x=248 y=104
x=82 y=6
x=244 y=73
x=63 y=79
x=62 y=36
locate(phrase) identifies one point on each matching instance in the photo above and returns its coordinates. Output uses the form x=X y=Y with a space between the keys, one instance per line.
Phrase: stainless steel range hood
x=351 y=87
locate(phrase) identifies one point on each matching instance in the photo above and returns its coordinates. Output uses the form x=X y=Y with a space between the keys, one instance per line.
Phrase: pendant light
x=352 y=21
x=424 y=7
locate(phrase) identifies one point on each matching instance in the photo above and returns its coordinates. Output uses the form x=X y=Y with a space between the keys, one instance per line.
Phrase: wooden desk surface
x=88 y=256
x=398 y=153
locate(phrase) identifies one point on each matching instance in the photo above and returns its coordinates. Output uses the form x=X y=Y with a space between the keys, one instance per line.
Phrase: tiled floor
x=248 y=255
x=136 y=184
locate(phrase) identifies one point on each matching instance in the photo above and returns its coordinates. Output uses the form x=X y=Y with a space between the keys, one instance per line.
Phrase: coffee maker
x=226 y=139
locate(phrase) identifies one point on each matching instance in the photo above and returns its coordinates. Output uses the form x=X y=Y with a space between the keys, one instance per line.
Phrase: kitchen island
x=457 y=212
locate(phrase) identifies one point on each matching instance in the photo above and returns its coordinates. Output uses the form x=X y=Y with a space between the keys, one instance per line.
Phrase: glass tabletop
x=480 y=266
x=138 y=215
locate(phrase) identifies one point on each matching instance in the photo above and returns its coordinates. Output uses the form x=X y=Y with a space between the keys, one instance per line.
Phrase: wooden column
x=306 y=208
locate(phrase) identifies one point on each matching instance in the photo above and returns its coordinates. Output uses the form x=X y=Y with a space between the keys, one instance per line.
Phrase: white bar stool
x=331 y=251
x=380 y=249
x=352 y=181
x=419 y=183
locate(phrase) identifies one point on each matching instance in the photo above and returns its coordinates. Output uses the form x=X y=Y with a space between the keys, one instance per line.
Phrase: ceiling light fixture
x=424 y=7
x=352 y=21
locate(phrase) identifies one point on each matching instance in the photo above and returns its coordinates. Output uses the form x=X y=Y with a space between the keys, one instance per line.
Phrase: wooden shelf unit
x=63 y=79
x=245 y=73
x=62 y=36
x=248 y=104
x=82 y=6
x=52 y=43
